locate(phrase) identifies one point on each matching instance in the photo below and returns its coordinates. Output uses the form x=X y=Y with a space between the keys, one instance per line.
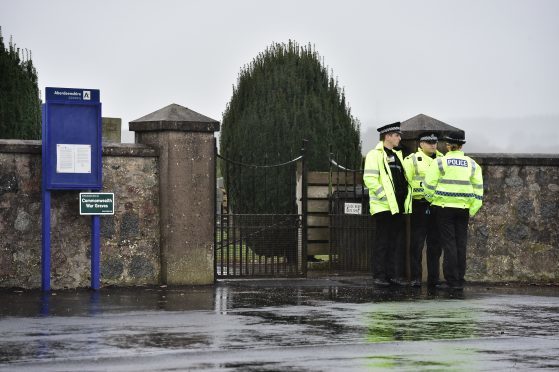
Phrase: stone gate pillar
x=186 y=143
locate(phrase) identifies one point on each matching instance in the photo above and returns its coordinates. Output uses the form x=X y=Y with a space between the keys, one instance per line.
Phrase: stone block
x=110 y=129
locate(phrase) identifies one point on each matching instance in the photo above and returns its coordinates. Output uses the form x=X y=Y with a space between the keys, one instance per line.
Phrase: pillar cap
x=413 y=127
x=174 y=118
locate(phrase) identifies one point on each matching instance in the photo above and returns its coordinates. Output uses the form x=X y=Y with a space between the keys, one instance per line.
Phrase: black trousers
x=453 y=228
x=388 y=252
x=424 y=227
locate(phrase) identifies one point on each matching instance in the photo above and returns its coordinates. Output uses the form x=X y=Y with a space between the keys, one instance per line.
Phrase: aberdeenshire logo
x=457 y=162
x=65 y=93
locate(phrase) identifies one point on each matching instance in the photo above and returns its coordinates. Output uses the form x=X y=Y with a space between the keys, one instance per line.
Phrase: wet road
x=280 y=325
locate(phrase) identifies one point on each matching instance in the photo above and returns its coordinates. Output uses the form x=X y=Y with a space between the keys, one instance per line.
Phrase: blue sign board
x=72 y=139
x=71 y=161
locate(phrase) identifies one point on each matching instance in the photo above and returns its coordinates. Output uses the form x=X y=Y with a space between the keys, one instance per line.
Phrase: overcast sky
x=488 y=67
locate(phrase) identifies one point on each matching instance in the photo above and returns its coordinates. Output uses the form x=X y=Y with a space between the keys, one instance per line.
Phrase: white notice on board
x=83 y=159
x=73 y=158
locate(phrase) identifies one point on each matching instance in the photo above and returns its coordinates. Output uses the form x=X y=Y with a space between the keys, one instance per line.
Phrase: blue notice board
x=72 y=139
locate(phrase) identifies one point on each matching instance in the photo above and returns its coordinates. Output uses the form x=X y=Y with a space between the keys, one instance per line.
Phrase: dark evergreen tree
x=283 y=96
x=20 y=105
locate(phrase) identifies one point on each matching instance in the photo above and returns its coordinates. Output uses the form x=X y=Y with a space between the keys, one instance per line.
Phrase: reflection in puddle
x=420 y=321
x=160 y=340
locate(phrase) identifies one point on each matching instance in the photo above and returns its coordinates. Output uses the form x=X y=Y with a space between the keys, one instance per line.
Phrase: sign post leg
x=95 y=243
x=45 y=241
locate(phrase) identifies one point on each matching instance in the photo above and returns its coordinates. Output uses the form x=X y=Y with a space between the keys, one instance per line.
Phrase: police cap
x=389 y=128
x=428 y=137
x=457 y=138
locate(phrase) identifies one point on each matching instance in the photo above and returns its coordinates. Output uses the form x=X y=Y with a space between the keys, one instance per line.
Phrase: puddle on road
x=236 y=316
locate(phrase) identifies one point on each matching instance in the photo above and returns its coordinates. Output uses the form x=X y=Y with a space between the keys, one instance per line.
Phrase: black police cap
x=428 y=137
x=389 y=128
x=457 y=138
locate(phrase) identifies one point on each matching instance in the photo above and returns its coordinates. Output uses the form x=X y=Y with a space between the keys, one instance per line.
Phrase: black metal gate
x=352 y=228
x=260 y=230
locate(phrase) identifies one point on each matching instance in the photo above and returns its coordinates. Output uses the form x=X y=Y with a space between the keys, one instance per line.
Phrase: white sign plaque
x=352 y=208
x=73 y=158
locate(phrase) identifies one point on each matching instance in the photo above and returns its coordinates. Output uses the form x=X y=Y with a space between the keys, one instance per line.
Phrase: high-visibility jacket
x=415 y=166
x=455 y=180
x=378 y=179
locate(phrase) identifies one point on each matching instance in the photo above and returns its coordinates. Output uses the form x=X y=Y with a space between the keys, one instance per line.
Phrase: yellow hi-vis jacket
x=378 y=179
x=415 y=166
x=455 y=180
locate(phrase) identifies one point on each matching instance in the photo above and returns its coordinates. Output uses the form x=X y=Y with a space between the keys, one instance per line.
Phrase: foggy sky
x=488 y=67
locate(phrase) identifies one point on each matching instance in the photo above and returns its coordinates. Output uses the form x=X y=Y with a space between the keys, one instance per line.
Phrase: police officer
x=454 y=185
x=389 y=199
x=423 y=224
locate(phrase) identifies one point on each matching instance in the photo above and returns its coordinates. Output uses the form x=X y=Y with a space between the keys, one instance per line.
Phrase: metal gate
x=260 y=230
x=352 y=228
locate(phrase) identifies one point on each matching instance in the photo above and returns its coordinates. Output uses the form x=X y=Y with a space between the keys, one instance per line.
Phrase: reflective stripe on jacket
x=455 y=180
x=415 y=166
x=378 y=179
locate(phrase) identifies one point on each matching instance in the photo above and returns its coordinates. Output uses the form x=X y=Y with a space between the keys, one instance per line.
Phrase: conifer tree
x=20 y=106
x=283 y=96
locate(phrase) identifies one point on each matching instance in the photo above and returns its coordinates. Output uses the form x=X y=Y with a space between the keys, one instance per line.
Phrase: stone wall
x=515 y=235
x=130 y=253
